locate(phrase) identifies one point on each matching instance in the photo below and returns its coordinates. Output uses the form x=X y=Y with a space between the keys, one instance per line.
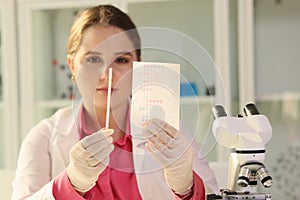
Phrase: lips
x=106 y=90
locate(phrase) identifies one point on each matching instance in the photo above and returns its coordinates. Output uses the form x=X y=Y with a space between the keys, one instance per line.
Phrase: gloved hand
x=88 y=159
x=174 y=153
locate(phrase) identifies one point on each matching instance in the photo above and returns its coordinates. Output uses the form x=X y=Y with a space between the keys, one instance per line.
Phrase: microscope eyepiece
x=218 y=111
x=250 y=109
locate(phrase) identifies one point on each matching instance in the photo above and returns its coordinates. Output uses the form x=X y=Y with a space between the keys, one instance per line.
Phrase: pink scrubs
x=118 y=180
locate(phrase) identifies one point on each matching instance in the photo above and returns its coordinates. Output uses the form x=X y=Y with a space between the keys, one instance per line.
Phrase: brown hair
x=102 y=14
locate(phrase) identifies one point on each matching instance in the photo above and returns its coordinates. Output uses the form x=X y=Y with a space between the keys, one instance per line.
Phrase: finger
x=92 y=162
x=174 y=148
x=150 y=147
x=167 y=152
x=161 y=147
x=163 y=137
x=99 y=145
x=91 y=139
x=175 y=143
x=153 y=129
x=103 y=163
x=154 y=141
x=146 y=133
x=107 y=132
x=176 y=152
x=79 y=152
x=170 y=130
x=81 y=157
x=157 y=154
x=95 y=137
x=169 y=142
x=104 y=153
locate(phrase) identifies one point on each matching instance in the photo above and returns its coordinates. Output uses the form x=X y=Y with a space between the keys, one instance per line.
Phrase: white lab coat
x=45 y=154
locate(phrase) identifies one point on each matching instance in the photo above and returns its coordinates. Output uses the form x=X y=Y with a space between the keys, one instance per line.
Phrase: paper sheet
x=155 y=93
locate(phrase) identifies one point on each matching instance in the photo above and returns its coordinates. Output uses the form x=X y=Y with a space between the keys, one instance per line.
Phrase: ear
x=71 y=64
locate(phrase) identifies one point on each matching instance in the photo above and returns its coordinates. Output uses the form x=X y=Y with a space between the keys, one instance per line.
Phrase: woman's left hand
x=173 y=152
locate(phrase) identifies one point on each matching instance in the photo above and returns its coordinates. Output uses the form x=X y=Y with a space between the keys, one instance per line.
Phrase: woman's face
x=103 y=47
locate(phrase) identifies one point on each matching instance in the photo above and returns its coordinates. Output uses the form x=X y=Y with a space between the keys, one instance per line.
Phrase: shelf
x=197 y=99
x=293 y=96
x=54 y=104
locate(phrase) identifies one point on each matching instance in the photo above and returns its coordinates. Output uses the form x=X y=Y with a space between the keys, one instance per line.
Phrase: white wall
x=277 y=46
x=194 y=19
x=277 y=69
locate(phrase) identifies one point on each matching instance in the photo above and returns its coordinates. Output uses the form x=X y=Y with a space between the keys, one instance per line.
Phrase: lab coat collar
x=71 y=116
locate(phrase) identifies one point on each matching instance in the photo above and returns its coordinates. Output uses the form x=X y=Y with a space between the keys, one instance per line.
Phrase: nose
x=105 y=74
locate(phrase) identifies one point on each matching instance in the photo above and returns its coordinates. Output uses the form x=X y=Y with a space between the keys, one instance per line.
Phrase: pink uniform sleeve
x=63 y=190
x=198 y=190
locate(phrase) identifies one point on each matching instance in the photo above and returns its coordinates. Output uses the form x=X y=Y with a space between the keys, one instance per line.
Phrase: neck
x=117 y=120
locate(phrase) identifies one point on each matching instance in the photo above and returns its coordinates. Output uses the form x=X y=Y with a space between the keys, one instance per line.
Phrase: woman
x=72 y=156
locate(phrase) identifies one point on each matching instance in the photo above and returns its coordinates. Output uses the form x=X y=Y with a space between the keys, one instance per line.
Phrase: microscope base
x=236 y=196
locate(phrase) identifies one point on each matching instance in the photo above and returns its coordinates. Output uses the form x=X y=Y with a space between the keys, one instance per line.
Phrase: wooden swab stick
x=108 y=98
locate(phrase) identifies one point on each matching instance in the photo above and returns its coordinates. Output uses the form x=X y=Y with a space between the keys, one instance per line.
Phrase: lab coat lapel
x=149 y=174
x=60 y=151
x=65 y=135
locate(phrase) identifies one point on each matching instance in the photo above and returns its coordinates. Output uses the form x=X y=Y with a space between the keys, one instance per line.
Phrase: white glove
x=88 y=159
x=173 y=152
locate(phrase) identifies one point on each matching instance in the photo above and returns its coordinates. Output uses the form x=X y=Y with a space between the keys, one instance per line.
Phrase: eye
x=94 y=59
x=122 y=60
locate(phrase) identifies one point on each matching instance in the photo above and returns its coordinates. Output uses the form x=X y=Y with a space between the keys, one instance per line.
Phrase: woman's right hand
x=88 y=159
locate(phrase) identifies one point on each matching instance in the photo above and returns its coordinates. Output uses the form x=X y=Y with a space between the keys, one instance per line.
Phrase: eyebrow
x=124 y=53
x=92 y=52
x=117 y=53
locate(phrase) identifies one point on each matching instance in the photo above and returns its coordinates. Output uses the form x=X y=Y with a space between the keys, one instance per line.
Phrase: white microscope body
x=247 y=136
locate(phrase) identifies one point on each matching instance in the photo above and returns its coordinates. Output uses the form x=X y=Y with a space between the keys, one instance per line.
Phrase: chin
x=100 y=102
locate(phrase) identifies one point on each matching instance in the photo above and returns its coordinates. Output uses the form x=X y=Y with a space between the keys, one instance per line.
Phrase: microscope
x=246 y=136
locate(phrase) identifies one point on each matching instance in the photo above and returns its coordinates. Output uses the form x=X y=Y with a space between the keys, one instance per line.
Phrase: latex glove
x=88 y=159
x=173 y=152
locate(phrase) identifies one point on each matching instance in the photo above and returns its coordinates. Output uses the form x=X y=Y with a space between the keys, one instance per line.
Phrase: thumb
x=106 y=132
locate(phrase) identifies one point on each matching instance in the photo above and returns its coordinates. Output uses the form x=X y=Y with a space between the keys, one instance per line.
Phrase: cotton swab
x=108 y=98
